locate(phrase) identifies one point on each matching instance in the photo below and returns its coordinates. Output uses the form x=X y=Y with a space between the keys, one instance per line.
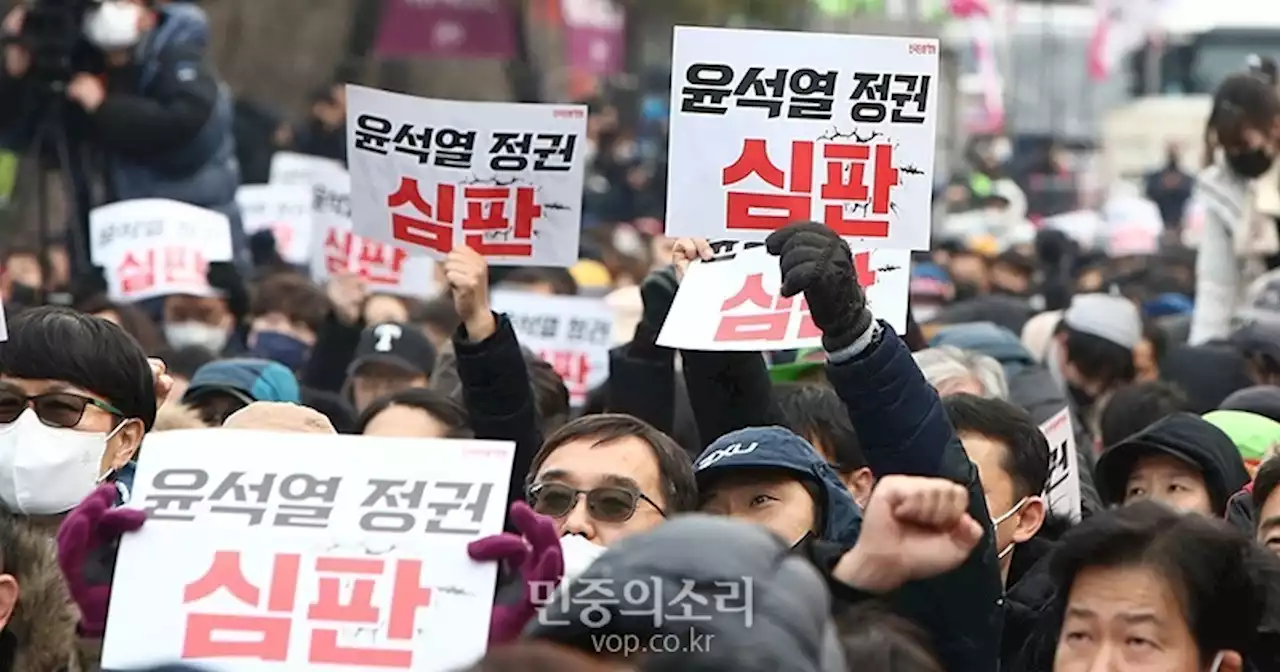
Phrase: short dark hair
x=1135 y=407
x=132 y=319
x=89 y=352
x=817 y=412
x=1212 y=568
x=1016 y=261
x=291 y=295
x=1098 y=359
x=1264 y=483
x=442 y=408
x=675 y=469
x=562 y=283
x=1242 y=101
x=1026 y=454
x=879 y=639
x=550 y=395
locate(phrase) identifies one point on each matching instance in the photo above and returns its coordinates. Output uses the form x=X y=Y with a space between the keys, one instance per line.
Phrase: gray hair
x=948 y=363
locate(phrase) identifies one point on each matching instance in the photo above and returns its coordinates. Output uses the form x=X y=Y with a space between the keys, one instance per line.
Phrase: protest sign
x=387 y=269
x=1063 y=489
x=769 y=128
x=156 y=247
x=285 y=210
x=504 y=179
x=733 y=301
x=571 y=333
x=357 y=559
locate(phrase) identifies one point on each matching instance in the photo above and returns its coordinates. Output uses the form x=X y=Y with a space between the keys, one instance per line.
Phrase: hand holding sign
x=468 y=276
x=814 y=260
x=687 y=250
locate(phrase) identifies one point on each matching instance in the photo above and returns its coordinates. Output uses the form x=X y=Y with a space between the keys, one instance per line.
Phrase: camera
x=53 y=32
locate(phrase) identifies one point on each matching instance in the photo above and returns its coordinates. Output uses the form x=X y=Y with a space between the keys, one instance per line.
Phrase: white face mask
x=47 y=470
x=578 y=555
x=113 y=25
x=187 y=334
x=995 y=522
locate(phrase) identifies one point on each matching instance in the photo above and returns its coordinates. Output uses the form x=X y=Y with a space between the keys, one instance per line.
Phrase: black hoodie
x=1184 y=436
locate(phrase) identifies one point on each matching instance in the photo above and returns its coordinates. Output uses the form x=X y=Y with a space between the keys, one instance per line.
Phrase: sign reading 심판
x=156 y=247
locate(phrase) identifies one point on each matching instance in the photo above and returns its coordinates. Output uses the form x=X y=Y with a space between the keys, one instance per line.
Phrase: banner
x=1063 y=489
x=732 y=302
x=286 y=211
x=769 y=128
x=387 y=269
x=354 y=557
x=155 y=247
x=445 y=29
x=595 y=36
x=504 y=179
x=571 y=333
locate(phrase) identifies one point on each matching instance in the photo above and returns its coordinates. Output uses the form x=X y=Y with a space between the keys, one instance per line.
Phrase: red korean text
x=497 y=220
x=144 y=270
x=758 y=315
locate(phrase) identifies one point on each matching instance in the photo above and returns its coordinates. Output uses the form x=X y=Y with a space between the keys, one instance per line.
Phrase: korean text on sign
x=283 y=210
x=334 y=249
x=504 y=179
x=1063 y=489
x=572 y=334
x=733 y=302
x=769 y=128
x=251 y=558
x=157 y=247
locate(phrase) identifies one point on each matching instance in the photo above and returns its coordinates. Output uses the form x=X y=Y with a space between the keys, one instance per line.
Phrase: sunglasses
x=56 y=409
x=607 y=505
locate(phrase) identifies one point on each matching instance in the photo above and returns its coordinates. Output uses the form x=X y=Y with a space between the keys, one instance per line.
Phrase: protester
x=1135 y=407
x=222 y=387
x=951 y=370
x=415 y=412
x=390 y=358
x=816 y=413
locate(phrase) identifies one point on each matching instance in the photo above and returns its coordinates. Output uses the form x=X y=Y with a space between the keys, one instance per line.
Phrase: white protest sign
x=156 y=247
x=283 y=209
x=768 y=128
x=1063 y=489
x=334 y=248
x=357 y=559
x=1081 y=226
x=504 y=179
x=733 y=302
x=571 y=333
x=1133 y=226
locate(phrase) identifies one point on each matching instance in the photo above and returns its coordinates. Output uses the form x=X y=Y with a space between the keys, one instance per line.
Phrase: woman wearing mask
x=1239 y=203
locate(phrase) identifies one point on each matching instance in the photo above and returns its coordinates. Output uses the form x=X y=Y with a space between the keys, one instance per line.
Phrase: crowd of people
x=886 y=495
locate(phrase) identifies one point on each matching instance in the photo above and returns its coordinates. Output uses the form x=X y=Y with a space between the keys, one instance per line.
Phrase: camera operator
x=154 y=113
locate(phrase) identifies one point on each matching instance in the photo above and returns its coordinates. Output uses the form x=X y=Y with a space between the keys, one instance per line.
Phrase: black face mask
x=1250 y=164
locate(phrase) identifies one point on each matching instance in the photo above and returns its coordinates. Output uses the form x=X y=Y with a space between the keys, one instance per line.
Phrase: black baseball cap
x=400 y=345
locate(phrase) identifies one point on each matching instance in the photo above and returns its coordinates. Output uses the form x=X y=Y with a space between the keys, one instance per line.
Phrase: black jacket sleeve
x=169 y=115
x=904 y=430
x=331 y=355
x=729 y=391
x=642 y=380
x=498 y=396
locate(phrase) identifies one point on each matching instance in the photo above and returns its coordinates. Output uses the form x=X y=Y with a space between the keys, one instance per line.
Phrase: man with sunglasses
x=77 y=394
x=606 y=477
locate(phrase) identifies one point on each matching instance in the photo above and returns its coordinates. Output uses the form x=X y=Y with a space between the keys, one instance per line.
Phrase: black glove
x=816 y=261
x=658 y=292
x=225 y=277
x=263 y=250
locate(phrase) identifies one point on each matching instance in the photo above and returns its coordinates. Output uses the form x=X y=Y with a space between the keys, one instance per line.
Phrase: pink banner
x=444 y=29
x=594 y=35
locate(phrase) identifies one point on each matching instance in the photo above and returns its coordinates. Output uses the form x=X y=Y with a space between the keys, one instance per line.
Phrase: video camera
x=52 y=32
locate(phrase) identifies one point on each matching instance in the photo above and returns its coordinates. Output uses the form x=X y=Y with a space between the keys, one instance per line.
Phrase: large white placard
x=571 y=333
x=771 y=127
x=351 y=557
x=733 y=301
x=156 y=247
x=283 y=209
x=504 y=179
x=1063 y=489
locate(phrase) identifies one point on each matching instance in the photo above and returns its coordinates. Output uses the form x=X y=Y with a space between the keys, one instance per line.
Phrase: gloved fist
x=818 y=262
x=225 y=277
x=87 y=544
x=658 y=292
x=536 y=551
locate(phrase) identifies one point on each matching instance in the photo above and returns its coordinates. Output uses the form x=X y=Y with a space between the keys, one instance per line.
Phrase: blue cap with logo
x=781 y=449
x=249 y=380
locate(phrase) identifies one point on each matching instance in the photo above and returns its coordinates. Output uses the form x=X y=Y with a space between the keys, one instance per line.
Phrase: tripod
x=51 y=133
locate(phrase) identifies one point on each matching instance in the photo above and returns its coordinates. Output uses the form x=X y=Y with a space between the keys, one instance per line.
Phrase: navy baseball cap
x=781 y=449
x=402 y=346
x=249 y=380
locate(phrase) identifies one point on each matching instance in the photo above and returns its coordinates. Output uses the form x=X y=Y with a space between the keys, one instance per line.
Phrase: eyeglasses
x=607 y=505
x=56 y=409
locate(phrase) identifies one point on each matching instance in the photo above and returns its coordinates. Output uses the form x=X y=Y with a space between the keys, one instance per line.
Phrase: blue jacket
x=903 y=430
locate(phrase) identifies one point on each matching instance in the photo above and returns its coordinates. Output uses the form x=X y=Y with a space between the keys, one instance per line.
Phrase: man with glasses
x=606 y=477
x=77 y=395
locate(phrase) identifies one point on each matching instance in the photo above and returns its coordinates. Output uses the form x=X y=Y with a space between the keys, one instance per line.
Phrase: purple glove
x=87 y=541
x=536 y=550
